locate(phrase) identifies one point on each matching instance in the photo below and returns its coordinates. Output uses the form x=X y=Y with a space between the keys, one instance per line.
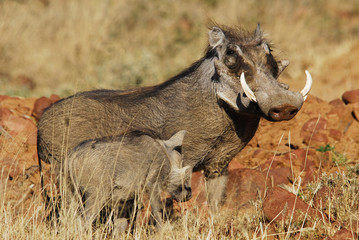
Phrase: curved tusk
x=246 y=89
x=308 y=85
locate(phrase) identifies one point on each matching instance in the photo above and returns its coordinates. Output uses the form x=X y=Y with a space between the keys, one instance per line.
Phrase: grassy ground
x=340 y=207
x=67 y=46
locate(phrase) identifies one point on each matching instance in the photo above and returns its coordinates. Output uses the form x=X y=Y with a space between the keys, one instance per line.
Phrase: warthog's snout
x=283 y=112
x=274 y=99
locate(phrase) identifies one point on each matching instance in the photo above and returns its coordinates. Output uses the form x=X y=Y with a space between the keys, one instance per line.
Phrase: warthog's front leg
x=216 y=190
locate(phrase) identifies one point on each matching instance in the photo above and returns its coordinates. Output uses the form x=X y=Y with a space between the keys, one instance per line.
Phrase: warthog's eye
x=231 y=59
x=230 y=52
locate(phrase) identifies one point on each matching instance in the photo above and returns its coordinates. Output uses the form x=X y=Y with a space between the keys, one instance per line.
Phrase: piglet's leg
x=93 y=205
x=155 y=201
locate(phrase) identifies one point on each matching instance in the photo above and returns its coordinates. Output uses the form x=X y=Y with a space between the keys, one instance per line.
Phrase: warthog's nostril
x=276 y=111
x=283 y=112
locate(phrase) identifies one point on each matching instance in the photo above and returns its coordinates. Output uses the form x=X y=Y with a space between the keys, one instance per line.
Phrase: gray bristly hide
x=109 y=171
x=218 y=101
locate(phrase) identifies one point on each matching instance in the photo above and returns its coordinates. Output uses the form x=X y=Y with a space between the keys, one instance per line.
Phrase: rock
x=344 y=234
x=244 y=185
x=54 y=98
x=351 y=96
x=271 y=163
x=310 y=175
x=316 y=140
x=4 y=113
x=314 y=124
x=42 y=103
x=32 y=138
x=18 y=106
x=234 y=164
x=335 y=134
x=313 y=132
x=306 y=164
x=199 y=195
x=279 y=205
x=302 y=158
x=280 y=176
x=356 y=110
x=198 y=188
x=3 y=97
x=337 y=103
x=16 y=125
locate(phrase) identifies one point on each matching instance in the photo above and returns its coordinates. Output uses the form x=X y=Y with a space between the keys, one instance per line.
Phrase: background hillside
x=62 y=46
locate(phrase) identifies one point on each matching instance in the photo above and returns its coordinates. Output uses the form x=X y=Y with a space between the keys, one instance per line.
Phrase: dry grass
x=340 y=208
x=27 y=219
x=67 y=46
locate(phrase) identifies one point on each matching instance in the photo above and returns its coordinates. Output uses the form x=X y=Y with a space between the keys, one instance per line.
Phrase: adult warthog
x=219 y=101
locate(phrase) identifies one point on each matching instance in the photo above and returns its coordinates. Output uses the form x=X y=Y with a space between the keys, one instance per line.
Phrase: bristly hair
x=239 y=34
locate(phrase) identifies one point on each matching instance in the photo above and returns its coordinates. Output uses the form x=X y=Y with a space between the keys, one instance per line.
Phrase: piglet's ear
x=175 y=141
x=216 y=37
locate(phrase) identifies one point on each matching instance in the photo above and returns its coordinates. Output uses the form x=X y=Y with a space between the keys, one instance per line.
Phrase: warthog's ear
x=216 y=37
x=282 y=65
x=175 y=141
x=258 y=32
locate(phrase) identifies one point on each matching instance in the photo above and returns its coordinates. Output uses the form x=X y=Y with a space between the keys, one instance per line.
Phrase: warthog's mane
x=239 y=34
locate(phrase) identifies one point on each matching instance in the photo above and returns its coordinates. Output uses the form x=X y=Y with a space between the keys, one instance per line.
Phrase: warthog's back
x=67 y=123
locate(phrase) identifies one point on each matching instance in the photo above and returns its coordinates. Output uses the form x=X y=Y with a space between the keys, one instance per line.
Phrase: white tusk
x=246 y=89
x=308 y=85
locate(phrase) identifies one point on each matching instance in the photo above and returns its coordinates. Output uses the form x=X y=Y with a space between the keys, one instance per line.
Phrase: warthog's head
x=246 y=73
x=178 y=183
